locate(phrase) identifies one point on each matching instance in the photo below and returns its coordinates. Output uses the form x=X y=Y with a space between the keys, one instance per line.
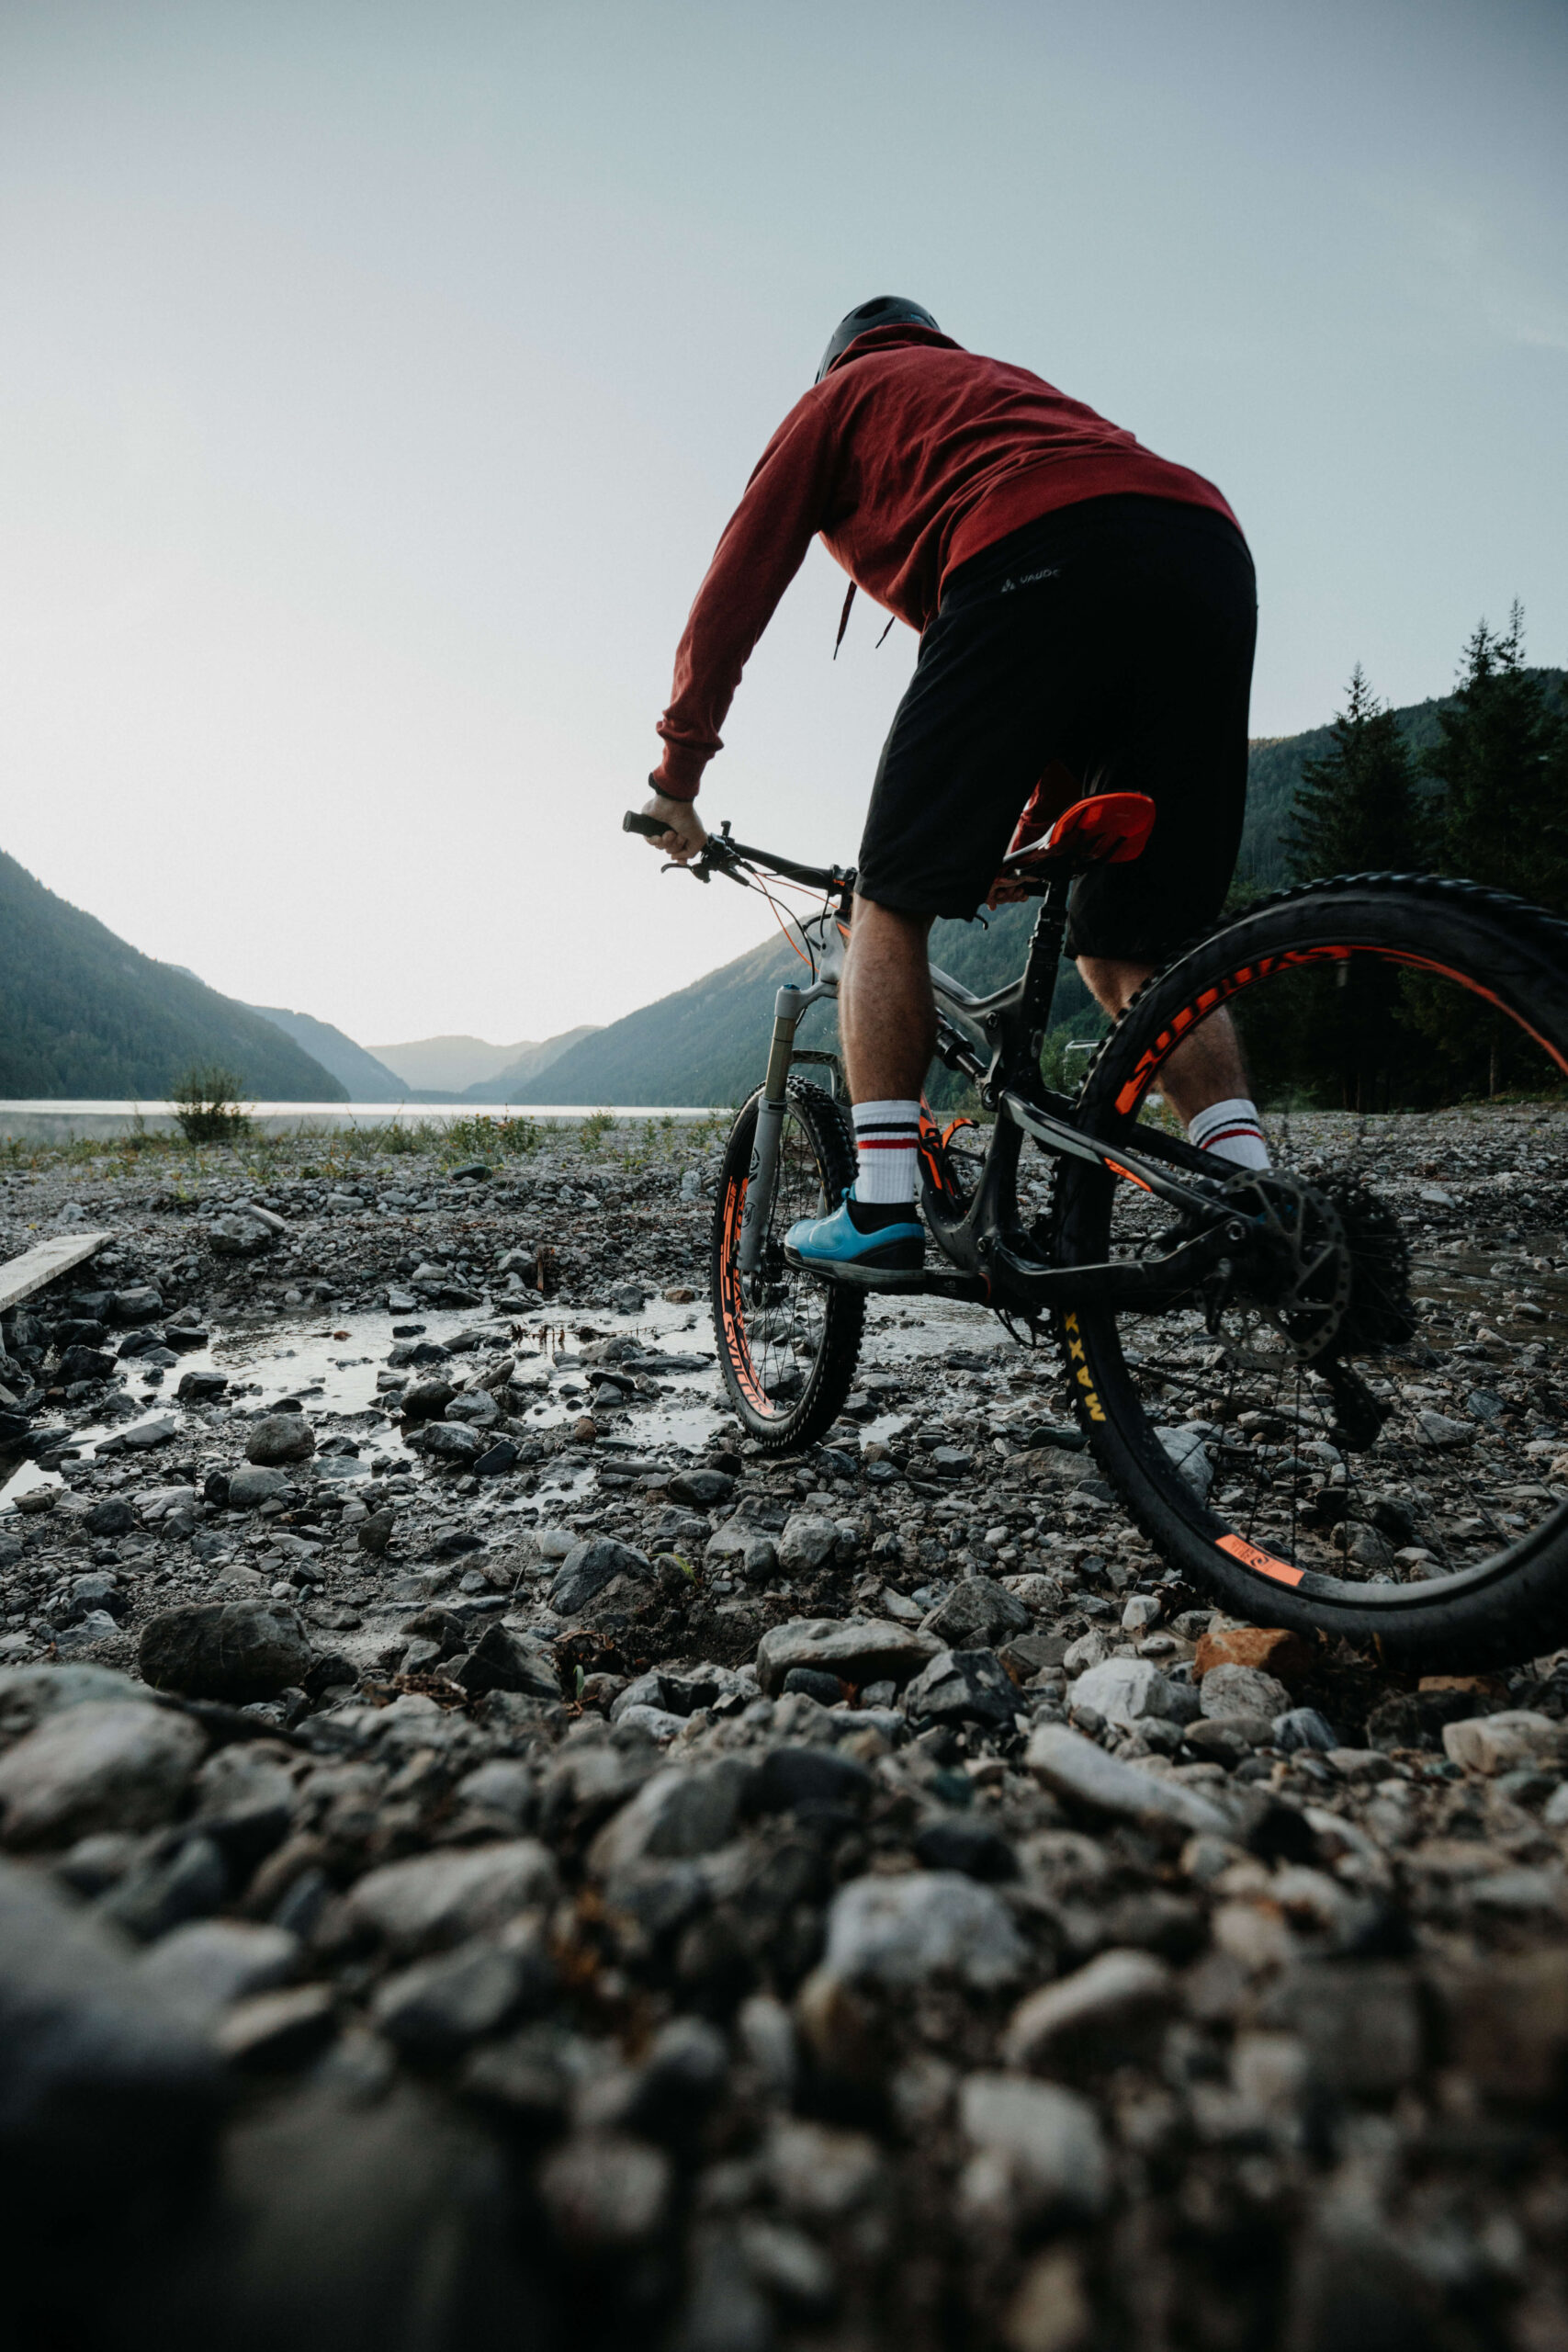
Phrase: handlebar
x=719 y=854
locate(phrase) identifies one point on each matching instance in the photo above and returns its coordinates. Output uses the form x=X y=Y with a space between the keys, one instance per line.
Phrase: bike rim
x=773 y=1345
x=1245 y=1434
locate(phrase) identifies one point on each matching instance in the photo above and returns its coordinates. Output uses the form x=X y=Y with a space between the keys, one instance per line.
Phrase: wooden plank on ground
x=19 y=1277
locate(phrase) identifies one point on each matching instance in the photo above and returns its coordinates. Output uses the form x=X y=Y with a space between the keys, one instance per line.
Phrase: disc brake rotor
x=1302 y=1238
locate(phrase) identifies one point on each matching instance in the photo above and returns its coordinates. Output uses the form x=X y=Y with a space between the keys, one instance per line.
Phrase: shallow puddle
x=331 y=1370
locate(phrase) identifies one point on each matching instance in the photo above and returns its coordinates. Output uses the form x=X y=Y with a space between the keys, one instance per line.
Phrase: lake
x=48 y=1122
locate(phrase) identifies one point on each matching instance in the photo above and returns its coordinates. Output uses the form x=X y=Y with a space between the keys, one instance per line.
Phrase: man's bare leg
x=887 y=1017
x=1207 y=1067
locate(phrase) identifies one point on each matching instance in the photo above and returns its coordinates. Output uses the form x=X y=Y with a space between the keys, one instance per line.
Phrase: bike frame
x=996 y=1041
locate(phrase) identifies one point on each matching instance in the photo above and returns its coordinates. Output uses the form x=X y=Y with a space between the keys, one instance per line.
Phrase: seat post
x=1044 y=955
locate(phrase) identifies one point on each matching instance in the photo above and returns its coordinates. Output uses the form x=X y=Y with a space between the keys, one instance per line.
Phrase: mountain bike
x=1282 y=1392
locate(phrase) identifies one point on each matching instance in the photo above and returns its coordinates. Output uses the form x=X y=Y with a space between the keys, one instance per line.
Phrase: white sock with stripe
x=1230 y=1130
x=887 y=1135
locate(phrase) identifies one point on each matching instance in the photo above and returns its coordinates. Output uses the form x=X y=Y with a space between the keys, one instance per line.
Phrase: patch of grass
x=594 y=1128
x=479 y=1138
x=207 y=1106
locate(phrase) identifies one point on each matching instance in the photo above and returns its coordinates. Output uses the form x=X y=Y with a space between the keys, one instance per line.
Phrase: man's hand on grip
x=685 y=833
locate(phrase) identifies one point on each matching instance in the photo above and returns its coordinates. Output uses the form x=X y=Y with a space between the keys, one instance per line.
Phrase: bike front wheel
x=1385 y=1456
x=787 y=1344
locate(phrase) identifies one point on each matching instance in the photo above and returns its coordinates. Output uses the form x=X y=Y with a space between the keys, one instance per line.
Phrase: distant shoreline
x=46 y=1121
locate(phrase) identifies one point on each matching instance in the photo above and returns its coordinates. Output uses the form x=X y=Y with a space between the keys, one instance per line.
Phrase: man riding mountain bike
x=1087 y=615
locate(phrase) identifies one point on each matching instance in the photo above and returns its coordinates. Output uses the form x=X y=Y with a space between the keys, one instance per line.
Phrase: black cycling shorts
x=1115 y=638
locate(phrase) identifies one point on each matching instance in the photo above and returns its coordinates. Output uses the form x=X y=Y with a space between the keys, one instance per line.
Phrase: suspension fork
x=762 y=1176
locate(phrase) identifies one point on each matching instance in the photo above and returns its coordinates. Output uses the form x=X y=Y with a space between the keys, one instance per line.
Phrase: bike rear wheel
x=787 y=1344
x=1388 y=1461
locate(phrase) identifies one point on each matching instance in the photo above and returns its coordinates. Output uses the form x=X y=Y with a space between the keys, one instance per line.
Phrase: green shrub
x=206 y=1105
x=478 y=1137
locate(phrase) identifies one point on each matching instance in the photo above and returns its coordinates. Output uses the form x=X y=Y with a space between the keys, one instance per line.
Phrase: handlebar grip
x=635 y=822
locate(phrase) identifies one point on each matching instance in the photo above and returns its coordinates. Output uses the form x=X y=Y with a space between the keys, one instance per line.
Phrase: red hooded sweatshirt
x=910 y=456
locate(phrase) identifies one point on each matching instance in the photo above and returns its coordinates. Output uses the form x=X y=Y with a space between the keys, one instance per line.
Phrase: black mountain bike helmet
x=883 y=311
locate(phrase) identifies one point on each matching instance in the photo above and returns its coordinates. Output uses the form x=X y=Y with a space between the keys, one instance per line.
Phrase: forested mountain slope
x=86 y=1015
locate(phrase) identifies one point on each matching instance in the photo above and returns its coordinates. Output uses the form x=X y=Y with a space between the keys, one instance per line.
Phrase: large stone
x=28 y=1693
x=251 y=1485
x=114 y=1516
x=238 y=1236
x=700 y=1489
x=807 y=1541
x=280 y=1437
x=244 y=1798
x=1440 y=1431
x=1124 y=1690
x=1047 y=2141
x=964 y=1687
x=503 y=1660
x=434 y=1900
x=448 y=1441
x=858 y=1651
x=107 y=1765
x=1268 y=1647
x=674 y=1816
x=791 y=1779
x=903 y=1930
x=1188 y=1451
x=475 y=1407
x=426 y=1400
x=140 y=1437
x=977 y=1614
x=207 y=1965
x=1242 y=1691
x=235 y=1650
x=592 y=1564
x=436 y=2006
x=1500 y=1743
x=142 y=1304
x=107 y=2090
x=1083 y=1777
x=1117 y=1994
x=739 y=1544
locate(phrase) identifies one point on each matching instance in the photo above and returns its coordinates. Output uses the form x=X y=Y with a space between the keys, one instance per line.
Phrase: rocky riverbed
x=490 y=1858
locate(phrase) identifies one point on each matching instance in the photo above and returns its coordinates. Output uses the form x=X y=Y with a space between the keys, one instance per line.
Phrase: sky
x=377 y=375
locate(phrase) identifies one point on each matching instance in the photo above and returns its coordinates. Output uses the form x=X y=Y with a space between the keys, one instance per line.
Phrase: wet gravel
x=576 y=1879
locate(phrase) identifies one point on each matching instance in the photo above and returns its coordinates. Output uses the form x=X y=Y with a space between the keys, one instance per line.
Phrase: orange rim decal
x=1264 y=1563
x=730 y=1305
x=1137 y=1086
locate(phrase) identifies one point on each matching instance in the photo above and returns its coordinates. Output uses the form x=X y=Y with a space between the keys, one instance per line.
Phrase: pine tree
x=1500 y=770
x=1499 y=773
x=1357 y=810
x=1339 y=1037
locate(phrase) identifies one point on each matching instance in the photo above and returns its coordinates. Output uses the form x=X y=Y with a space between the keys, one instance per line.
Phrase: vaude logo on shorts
x=1027 y=579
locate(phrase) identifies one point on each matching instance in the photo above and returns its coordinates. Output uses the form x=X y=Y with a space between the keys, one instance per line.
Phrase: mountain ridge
x=367 y=1080
x=90 y=1017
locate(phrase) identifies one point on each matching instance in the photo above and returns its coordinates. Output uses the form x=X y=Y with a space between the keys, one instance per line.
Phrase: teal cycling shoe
x=859 y=1241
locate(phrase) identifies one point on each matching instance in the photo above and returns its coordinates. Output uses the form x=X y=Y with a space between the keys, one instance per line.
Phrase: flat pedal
x=863 y=1277
x=912 y=1282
